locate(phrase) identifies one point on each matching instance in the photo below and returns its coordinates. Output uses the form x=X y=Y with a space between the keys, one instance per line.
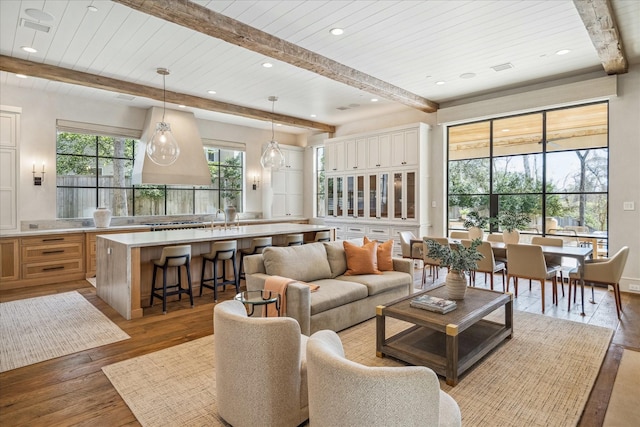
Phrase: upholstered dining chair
x=260 y=362
x=408 y=251
x=500 y=255
x=552 y=260
x=487 y=264
x=607 y=271
x=459 y=234
x=527 y=262
x=346 y=393
x=431 y=263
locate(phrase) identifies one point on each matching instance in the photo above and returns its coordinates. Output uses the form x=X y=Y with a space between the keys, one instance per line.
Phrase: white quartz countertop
x=191 y=235
x=127 y=227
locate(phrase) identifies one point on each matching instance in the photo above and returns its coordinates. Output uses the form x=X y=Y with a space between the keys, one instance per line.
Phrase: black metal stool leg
x=153 y=284
x=204 y=263
x=215 y=280
x=164 y=289
x=189 y=283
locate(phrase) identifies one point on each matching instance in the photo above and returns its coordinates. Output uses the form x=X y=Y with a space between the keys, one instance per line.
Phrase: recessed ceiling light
x=506 y=130
x=563 y=52
x=211 y=92
x=312 y=115
x=374 y=99
x=278 y=124
x=337 y=31
x=21 y=76
x=28 y=49
x=38 y=14
x=467 y=75
x=181 y=106
x=267 y=64
x=440 y=83
x=92 y=8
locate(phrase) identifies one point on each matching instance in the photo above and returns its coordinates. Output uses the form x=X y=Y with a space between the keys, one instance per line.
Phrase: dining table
x=580 y=253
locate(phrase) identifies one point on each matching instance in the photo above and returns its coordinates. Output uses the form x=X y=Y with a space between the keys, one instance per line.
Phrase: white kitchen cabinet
x=377 y=196
x=404 y=195
x=379 y=151
x=356 y=154
x=404 y=148
x=334 y=156
x=287 y=185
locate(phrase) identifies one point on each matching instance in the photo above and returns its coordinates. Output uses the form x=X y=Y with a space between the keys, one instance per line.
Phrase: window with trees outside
x=95 y=171
x=551 y=165
x=320 y=183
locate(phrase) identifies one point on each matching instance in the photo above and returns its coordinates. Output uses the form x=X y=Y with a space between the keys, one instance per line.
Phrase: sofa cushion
x=334 y=293
x=306 y=263
x=337 y=257
x=385 y=254
x=361 y=259
x=377 y=283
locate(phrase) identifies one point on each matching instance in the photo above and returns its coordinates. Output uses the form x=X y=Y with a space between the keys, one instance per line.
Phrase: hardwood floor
x=72 y=390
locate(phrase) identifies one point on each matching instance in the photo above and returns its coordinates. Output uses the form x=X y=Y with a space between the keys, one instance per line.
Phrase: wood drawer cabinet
x=90 y=247
x=10 y=256
x=54 y=254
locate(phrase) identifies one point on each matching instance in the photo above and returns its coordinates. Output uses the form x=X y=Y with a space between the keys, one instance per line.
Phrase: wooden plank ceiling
x=395 y=51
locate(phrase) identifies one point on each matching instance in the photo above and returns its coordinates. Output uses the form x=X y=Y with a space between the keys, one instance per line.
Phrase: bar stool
x=220 y=251
x=294 y=240
x=257 y=246
x=323 y=236
x=172 y=256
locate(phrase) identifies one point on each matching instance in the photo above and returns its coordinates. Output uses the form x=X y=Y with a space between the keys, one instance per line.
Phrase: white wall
x=40 y=110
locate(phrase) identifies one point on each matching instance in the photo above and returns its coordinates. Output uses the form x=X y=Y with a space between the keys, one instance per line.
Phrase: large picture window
x=95 y=170
x=552 y=165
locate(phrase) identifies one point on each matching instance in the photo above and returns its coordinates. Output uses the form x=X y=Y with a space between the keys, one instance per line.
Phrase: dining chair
x=433 y=264
x=498 y=253
x=487 y=264
x=552 y=259
x=606 y=271
x=527 y=262
x=459 y=235
x=408 y=251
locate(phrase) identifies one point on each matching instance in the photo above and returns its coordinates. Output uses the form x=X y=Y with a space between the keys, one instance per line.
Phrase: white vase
x=475 y=233
x=550 y=225
x=512 y=237
x=102 y=217
x=456 y=285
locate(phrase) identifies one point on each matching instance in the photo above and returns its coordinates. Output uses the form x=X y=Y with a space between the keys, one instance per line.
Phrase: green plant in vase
x=475 y=223
x=511 y=222
x=458 y=259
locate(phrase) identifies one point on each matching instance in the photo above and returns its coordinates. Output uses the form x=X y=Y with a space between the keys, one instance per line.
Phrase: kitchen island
x=124 y=269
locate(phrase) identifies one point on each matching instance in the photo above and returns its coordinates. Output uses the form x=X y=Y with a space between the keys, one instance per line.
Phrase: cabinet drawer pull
x=377 y=231
x=53 y=239
x=59 y=251
x=59 y=267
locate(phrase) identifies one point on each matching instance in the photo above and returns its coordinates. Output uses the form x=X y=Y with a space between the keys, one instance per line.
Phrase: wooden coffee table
x=447 y=343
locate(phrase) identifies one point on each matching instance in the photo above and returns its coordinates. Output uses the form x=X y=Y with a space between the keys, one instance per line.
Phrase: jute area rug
x=37 y=329
x=541 y=377
x=624 y=404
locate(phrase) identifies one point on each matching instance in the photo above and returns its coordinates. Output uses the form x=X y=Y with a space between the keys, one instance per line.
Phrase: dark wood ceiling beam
x=598 y=18
x=66 y=75
x=198 y=18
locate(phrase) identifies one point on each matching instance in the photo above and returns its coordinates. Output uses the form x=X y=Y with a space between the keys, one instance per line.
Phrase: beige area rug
x=42 y=328
x=541 y=377
x=624 y=404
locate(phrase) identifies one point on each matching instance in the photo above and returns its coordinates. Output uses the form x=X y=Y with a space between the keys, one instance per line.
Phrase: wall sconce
x=256 y=182
x=38 y=180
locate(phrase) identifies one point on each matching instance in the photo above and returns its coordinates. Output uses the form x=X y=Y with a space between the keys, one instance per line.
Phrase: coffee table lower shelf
x=419 y=345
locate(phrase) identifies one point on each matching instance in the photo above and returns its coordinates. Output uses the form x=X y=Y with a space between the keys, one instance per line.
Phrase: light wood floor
x=72 y=390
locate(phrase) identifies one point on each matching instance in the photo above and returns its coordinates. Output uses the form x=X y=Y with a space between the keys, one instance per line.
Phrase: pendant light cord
x=273 y=106
x=164 y=96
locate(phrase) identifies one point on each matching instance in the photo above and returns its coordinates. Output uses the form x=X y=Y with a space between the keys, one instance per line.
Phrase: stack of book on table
x=431 y=303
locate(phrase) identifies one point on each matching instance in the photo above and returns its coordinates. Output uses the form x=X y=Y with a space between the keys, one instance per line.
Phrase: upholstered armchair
x=408 y=251
x=346 y=393
x=260 y=365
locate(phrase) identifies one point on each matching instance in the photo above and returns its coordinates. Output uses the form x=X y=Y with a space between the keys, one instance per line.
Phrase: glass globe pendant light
x=272 y=156
x=163 y=149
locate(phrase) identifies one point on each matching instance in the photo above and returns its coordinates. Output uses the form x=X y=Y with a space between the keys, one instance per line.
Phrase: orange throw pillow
x=361 y=260
x=385 y=254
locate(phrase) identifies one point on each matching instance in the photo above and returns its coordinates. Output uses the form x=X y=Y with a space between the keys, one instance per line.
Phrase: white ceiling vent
x=125 y=97
x=502 y=67
x=34 y=25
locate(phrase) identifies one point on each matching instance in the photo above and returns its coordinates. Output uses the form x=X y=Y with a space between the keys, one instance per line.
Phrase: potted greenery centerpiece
x=232 y=178
x=475 y=224
x=458 y=260
x=511 y=222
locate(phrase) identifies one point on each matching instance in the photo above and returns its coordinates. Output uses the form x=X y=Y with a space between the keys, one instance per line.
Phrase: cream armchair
x=345 y=393
x=606 y=271
x=260 y=368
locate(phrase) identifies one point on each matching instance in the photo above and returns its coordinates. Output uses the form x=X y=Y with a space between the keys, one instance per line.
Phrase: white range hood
x=191 y=166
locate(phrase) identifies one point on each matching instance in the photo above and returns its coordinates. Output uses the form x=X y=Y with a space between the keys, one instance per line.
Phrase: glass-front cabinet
x=378 y=192
x=404 y=195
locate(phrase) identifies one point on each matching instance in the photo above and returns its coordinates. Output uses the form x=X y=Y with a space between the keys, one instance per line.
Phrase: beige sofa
x=341 y=301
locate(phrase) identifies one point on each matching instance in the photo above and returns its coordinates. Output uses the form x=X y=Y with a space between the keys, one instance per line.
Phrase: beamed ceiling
x=393 y=51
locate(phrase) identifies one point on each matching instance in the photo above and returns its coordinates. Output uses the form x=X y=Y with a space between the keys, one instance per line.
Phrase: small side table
x=256 y=298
